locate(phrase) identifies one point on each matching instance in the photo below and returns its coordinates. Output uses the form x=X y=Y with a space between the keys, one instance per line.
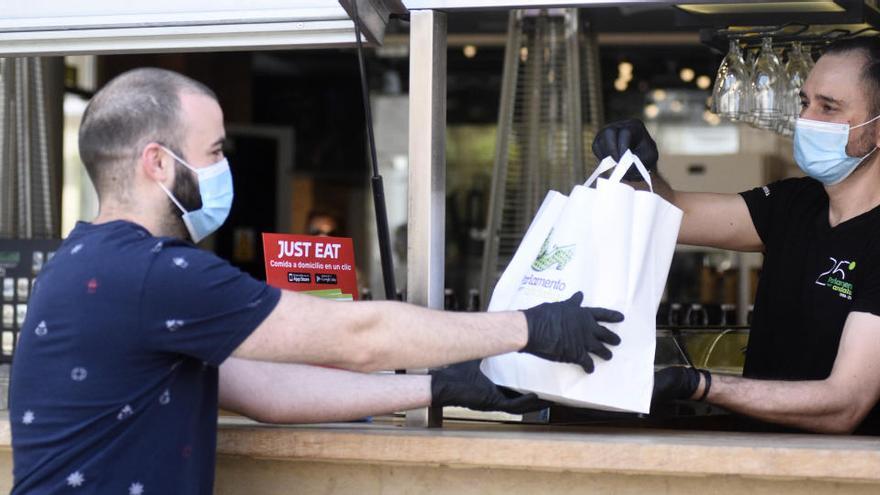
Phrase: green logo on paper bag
x=548 y=257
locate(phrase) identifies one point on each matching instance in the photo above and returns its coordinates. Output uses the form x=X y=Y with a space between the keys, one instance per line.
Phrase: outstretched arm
x=296 y=393
x=837 y=404
x=713 y=220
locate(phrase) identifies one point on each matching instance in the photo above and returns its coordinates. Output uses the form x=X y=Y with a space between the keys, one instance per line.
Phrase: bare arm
x=834 y=405
x=710 y=219
x=368 y=336
x=295 y=393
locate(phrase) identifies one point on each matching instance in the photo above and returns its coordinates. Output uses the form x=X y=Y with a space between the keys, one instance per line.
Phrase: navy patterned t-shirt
x=114 y=381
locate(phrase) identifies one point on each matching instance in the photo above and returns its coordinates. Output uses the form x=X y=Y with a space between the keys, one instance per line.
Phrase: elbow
x=362 y=359
x=368 y=361
x=843 y=422
x=366 y=353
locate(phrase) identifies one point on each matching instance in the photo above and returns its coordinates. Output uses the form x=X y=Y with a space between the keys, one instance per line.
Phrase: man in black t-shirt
x=812 y=355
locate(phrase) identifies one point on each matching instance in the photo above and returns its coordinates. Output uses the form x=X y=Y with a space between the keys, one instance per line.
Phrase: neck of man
x=159 y=225
x=857 y=194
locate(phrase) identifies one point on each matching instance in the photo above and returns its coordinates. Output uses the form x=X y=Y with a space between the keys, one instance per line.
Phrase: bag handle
x=620 y=168
x=605 y=165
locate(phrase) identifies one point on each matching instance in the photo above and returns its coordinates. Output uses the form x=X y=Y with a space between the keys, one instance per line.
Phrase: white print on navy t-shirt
x=125 y=412
x=41 y=329
x=78 y=374
x=76 y=248
x=157 y=247
x=28 y=417
x=173 y=325
x=835 y=277
x=136 y=488
x=180 y=262
x=75 y=479
x=165 y=398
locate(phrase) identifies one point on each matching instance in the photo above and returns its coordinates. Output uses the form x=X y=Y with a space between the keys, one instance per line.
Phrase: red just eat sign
x=321 y=266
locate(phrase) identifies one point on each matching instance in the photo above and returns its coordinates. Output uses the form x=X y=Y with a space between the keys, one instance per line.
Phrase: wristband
x=708 y=385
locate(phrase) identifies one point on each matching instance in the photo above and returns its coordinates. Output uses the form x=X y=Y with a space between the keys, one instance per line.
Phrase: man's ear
x=155 y=164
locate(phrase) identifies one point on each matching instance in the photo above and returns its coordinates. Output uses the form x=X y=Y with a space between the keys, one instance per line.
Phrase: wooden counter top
x=545 y=448
x=550 y=448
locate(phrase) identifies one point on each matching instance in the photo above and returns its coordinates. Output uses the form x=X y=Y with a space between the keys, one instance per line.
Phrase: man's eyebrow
x=829 y=99
x=219 y=142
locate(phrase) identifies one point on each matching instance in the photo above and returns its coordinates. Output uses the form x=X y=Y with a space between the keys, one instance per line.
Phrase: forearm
x=662 y=187
x=292 y=393
x=369 y=336
x=816 y=405
x=407 y=336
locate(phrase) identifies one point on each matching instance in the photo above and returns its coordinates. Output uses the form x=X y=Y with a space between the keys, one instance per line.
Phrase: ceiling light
x=652 y=111
x=625 y=68
x=524 y=54
x=813 y=6
x=676 y=106
x=703 y=82
x=687 y=74
x=620 y=84
x=470 y=51
x=711 y=118
x=658 y=95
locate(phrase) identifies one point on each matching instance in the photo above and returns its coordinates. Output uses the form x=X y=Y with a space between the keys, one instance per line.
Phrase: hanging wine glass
x=766 y=87
x=749 y=117
x=796 y=71
x=730 y=93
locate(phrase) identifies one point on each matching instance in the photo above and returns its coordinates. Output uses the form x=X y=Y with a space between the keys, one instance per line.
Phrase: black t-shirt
x=813 y=276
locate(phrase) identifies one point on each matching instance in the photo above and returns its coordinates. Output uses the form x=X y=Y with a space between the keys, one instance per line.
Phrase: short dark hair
x=134 y=108
x=869 y=47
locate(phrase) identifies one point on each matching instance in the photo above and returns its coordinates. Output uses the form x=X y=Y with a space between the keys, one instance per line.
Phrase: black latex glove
x=465 y=385
x=675 y=383
x=615 y=138
x=564 y=331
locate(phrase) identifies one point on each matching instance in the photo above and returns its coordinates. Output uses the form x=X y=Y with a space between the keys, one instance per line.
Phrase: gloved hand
x=564 y=331
x=678 y=383
x=463 y=384
x=616 y=137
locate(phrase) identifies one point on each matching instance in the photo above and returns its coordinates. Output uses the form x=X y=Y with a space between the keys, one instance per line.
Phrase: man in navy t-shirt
x=121 y=356
x=134 y=336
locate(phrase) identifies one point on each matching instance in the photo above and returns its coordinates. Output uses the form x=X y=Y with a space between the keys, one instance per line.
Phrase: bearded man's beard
x=186 y=190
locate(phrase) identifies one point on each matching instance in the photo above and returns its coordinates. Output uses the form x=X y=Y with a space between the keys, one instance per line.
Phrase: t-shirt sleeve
x=866 y=294
x=197 y=304
x=767 y=204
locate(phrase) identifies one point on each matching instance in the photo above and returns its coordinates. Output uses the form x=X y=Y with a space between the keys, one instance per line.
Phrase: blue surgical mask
x=215 y=190
x=820 y=150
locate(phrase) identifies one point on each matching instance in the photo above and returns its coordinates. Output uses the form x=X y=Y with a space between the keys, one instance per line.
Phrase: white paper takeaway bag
x=614 y=244
x=528 y=248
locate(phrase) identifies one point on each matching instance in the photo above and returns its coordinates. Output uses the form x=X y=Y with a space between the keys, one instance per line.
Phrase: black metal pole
x=376 y=179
